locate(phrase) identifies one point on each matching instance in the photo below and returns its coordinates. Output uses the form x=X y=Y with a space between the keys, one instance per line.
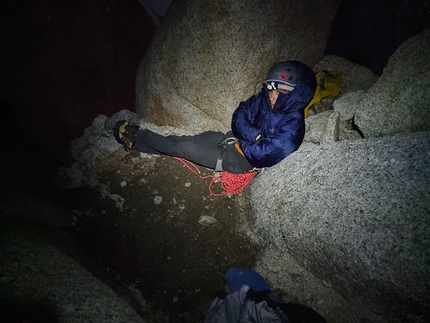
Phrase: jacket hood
x=303 y=93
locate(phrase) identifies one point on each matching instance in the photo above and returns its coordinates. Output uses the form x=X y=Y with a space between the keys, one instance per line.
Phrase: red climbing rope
x=230 y=183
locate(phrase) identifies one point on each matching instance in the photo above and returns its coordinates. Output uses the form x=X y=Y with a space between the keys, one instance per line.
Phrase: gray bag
x=235 y=308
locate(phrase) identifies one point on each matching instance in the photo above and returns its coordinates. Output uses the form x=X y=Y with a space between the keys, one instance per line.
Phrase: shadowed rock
x=356 y=215
x=41 y=284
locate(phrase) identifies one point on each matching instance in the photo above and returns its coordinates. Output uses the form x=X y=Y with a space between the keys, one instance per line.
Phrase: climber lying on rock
x=266 y=128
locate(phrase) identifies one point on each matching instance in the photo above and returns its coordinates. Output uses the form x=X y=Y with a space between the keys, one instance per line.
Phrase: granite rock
x=355 y=214
x=399 y=101
x=207 y=56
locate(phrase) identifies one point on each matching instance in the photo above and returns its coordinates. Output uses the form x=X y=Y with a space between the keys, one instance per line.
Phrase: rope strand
x=230 y=183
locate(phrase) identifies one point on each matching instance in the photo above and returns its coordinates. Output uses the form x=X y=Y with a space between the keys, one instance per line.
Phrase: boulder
x=96 y=143
x=207 y=56
x=326 y=127
x=315 y=125
x=356 y=215
x=347 y=104
x=399 y=101
x=39 y=283
x=331 y=129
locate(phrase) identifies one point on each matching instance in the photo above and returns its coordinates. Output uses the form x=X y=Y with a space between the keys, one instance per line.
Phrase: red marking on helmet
x=283 y=76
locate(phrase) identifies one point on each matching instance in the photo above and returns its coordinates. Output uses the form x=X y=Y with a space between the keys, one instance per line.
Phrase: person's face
x=273 y=96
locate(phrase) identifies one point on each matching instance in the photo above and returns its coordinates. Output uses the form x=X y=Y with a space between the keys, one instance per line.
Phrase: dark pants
x=203 y=149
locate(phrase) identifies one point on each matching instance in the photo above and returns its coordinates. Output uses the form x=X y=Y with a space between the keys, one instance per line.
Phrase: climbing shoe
x=124 y=133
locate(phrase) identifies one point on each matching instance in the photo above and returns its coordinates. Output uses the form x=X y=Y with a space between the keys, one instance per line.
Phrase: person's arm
x=242 y=120
x=274 y=146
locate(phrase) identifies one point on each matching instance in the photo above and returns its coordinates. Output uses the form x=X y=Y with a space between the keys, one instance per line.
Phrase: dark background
x=367 y=32
x=65 y=62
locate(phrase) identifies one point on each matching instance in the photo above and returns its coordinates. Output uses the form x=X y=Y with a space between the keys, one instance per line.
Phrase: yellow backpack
x=328 y=86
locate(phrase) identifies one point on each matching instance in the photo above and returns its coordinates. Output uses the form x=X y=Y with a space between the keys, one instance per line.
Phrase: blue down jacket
x=282 y=128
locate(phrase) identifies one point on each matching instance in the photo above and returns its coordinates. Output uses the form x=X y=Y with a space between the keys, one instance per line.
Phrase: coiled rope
x=230 y=183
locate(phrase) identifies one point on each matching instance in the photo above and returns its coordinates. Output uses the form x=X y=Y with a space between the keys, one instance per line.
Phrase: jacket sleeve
x=242 y=120
x=274 y=146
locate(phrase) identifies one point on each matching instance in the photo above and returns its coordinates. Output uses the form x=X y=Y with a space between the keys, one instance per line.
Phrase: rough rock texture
x=96 y=143
x=110 y=123
x=347 y=104
x=355 y=214
x=207 y=56
x=347 y=132
x=315 y=126
x=355 y=77
x=399 y=101
x=41 y=284
x=326 y=127
x=331 y=129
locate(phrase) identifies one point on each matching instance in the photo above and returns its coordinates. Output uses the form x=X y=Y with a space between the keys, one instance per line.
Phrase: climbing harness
x=230 y=183
x=228 y=141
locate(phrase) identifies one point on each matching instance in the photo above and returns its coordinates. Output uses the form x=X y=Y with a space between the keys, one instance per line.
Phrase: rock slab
x=355 y=214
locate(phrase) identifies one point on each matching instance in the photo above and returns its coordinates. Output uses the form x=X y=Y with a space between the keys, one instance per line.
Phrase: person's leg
x=201 y=149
